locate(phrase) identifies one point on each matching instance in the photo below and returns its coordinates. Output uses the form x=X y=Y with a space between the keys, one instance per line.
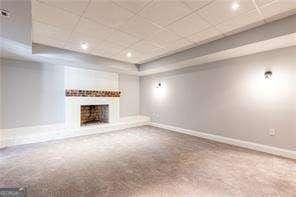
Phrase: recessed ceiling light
x=129 y=55
x=235 y=6
x=84 y=45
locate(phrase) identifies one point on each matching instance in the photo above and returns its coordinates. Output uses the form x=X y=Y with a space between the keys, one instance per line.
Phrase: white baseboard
x=245 y=144
x=36 y=134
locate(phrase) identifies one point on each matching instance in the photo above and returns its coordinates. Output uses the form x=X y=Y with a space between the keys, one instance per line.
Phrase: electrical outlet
x=272 y=132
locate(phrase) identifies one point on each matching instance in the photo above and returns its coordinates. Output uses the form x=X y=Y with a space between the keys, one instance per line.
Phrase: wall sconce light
x=158 y=85
x=268 y=74
x=4 y=13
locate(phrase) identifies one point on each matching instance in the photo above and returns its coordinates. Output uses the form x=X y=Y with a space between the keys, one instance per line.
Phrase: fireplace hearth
x=94 y=114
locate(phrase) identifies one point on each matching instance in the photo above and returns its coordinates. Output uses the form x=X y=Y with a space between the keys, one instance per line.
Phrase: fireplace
x=81 y=110
x=94 y=114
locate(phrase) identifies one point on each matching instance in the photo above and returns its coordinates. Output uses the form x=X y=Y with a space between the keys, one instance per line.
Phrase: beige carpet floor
x=144 y=161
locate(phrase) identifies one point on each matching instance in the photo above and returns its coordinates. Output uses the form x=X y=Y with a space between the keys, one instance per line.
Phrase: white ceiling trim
x=76 y=59
x=275 y=43
x=50 y=55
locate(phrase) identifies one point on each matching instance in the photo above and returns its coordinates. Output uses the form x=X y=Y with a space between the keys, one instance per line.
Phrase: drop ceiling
x=147 y=29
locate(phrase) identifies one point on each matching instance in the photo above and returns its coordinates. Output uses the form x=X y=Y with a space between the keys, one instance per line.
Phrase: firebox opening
x=94 y=114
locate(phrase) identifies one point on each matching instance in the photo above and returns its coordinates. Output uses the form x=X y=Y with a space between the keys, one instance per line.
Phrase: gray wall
x=18 y=26
x=32 y=94
x=129 y=100
x=0 y=98
x=230 y=98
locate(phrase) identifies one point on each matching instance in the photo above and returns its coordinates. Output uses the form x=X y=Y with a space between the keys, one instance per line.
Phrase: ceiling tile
x=196 y=4
x=90 y=28
x=135 y=58
x=146 y=47
x=42 y=39
x=178 y=44
x=189 y=25
x=122 y=38
x=78 y=38
x=242 y=22
x=53 y=16
x=99 y=52
x=262 y=2
x=146 y=51
x=153 y=55
x=109 y=47
x=220 y=11
x=107 y=13
x=205 y=35
x=132 y=5
x=111 y=27
x=50 y=31
x=163 y=37
x=76 y=7
x=277 y=8
x=140 y=27
x=76 y=47
x=165 y=12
